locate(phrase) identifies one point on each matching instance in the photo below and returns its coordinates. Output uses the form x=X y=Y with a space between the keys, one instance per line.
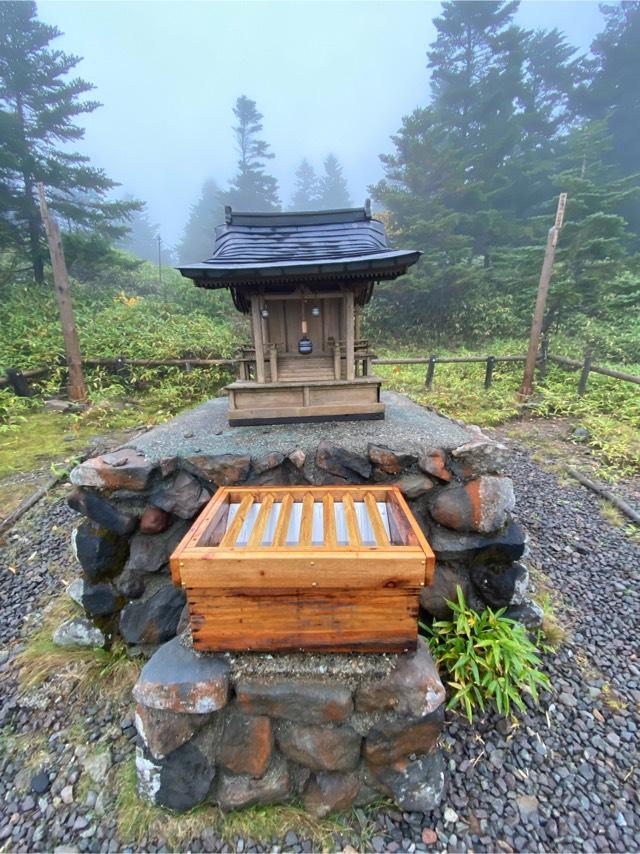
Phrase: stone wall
x=331 y=731
x=138 y=504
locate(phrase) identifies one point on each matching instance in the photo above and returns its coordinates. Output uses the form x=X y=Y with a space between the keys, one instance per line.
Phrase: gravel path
x=565 y=778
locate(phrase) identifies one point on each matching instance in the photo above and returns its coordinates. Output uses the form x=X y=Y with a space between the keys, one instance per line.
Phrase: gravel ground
x=564 y=778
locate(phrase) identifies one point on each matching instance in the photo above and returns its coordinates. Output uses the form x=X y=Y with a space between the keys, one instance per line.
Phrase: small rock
x=450 y=816
x=429 y=837
x=66 y=795
x=78 y=632
x=40 y=783
x=154 y=520
x=434 y=462
x=528 y=805
x=75 y=590
x=183 y=496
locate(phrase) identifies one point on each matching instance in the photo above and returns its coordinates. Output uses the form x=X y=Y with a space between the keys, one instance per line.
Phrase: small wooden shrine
x=304 y=279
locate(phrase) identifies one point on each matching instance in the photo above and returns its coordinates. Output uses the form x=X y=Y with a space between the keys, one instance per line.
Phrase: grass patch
x=32 y=747
x=91 y=673
x=611 y=514
x=44 y=436
x=137 y=819
x=610 y=409
x=544 y=593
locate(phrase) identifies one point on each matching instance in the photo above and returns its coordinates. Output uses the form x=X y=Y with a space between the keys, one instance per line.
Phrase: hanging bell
x=305 y=346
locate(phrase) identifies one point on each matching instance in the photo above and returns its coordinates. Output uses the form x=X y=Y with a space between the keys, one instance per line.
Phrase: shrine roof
x=255 y=248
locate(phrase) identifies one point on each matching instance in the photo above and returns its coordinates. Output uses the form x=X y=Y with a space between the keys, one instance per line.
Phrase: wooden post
x=76 y=388
x=543 y=287
x=337 y=366
x=584 y=374
x=488 y=374
x=273 y=362
x=256 y=322
x=431 y=369
x=350 y=334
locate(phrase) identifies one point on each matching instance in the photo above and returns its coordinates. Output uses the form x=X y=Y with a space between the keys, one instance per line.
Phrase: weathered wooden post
x=488 y=374
x=431 y=369
x=76 y=387
x=584 y=374
x=543 y=287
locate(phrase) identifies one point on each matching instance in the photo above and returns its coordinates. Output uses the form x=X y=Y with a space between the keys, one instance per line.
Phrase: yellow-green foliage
x=610 y=409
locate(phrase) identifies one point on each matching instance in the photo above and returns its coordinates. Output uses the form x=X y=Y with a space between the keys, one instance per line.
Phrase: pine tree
x=306 y=188
x=334 y=192
x=38 y=106
x=142 y=238
x=199 y=232
x=252 y=189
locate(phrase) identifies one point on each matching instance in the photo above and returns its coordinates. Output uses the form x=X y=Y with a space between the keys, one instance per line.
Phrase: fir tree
x=306 y=188
x=142 y=239
x=252 y=189
x=334 y=192
x=38 y=107
x=199 y=232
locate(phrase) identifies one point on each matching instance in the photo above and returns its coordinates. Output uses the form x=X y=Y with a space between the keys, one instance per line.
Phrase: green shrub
x=488 y=659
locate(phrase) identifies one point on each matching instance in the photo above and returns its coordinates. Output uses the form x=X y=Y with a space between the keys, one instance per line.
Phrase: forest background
x=515 y=117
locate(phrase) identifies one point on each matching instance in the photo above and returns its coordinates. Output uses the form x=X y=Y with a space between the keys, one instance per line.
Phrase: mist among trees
x=513 y=117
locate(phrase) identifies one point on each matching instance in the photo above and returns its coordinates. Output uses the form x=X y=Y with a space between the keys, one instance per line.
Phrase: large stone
x=342 y=463
x=153 y=620
x=78 y=632
x=323 y=748
x=237 y=791
x=389 y=741
x=328 y=792
x=434 y=462
x=222 y=469
x=100 y=510
x=415 y=785
x=308 y=702
x=125 y=468
x=101 y=552
x=269 y=461
x=297 y=457
x=179 y=782
x=177 y=679
x=151 y=552
x=130 y=584
x=480 y=505
x=183 y=496
x=528 y=612
x=389 y=461
x=480 y=457
x=499 y=583
x=247 y=744
x=154 y=520
x=504 y=545
x=163 y=731
x=101 y=599
x=443 y=589
x=75 y=590
x=413 y=486
x=412 y=688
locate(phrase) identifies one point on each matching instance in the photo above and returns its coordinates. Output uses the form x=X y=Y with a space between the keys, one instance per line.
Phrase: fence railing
x=19 y=380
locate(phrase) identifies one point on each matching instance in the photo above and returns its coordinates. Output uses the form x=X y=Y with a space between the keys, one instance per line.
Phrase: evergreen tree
x=614 y=93
x=306 y=188
x=142 y=239
x=334 y=192
x=38 y=106
x=199 y=232
x=252 y=189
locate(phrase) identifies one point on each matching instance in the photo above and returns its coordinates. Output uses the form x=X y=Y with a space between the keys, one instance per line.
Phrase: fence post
x=584 y=375
x=488 y=374
x=544 y=355
x=431 y=369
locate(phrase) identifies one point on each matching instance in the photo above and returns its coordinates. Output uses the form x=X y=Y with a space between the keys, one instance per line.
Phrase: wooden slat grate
x=264 y=522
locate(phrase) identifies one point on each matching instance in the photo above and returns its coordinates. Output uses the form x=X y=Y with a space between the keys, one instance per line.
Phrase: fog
x=328 y=77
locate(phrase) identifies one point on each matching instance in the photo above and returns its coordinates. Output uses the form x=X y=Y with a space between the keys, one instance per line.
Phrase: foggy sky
x=328 y=76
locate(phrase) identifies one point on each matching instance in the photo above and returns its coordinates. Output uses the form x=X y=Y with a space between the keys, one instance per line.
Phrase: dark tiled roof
x=252 y=247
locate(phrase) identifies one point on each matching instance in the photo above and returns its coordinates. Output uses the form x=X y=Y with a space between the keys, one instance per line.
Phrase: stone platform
x=140 y=500
x=330 y=730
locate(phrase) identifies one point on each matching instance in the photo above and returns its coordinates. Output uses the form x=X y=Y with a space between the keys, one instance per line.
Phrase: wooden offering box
x=325 y=569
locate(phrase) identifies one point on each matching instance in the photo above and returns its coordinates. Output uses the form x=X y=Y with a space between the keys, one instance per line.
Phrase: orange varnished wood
x=292 y=619
x=323 y=596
